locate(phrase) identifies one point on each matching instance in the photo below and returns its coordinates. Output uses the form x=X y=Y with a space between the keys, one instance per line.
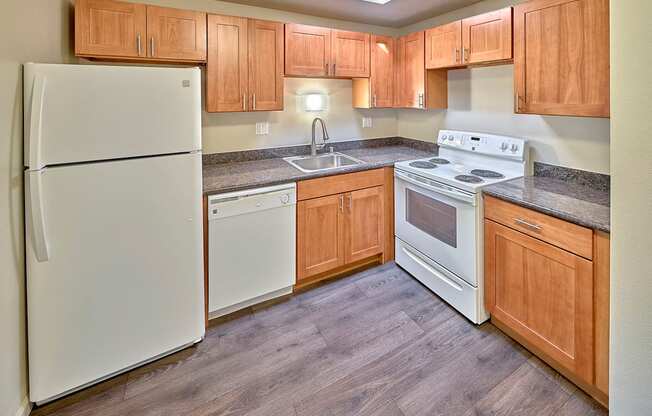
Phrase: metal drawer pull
x=342 y=202
x=527 y=224
x=138 y=45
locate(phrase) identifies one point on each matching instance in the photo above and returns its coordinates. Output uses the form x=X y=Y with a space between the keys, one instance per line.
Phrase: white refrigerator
x=113 y=220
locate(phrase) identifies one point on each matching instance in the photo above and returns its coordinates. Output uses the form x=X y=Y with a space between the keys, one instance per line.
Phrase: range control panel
x=489 y=144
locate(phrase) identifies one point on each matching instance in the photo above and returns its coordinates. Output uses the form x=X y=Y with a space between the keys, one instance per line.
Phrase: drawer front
x=337 y=184
x=570 y=237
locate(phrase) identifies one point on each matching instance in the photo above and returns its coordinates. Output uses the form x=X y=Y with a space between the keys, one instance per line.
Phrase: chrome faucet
x=324 y=137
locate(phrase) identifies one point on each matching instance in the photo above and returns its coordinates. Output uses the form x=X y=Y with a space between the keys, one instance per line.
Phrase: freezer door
x=81 y=113
x=114 y=267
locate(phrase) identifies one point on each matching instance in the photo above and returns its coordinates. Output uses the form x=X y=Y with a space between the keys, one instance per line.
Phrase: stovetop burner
x=469 y=179
x=423 y=165
x=440 y=161
x=487 y=174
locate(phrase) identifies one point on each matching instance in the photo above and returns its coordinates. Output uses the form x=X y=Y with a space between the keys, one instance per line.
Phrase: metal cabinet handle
x=327 y=69
x=463 y=54
x=151 y=46
x=421 y=100
x=468 y=54
x=342 y=202
x=350 y=202
x=457 y=55
x=138 y=45
x=244 y=102
x=375 y=101
x=527 y=224
x=334 y=72
x=253 y=99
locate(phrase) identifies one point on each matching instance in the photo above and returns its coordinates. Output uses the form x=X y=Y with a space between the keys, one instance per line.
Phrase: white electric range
x=439 y=225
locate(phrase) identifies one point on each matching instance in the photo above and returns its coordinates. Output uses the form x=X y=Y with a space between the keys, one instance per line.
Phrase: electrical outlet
x=262 y=128
x=366 y=122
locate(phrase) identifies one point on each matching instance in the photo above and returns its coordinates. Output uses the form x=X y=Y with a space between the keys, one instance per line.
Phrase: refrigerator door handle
x=36 y=122
x=36 y=214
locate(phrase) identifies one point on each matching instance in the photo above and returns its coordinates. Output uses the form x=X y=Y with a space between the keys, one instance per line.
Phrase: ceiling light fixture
x=378 y=1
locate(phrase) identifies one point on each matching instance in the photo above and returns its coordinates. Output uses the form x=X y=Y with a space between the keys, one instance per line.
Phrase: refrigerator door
x=82 y=113
x=114 y=265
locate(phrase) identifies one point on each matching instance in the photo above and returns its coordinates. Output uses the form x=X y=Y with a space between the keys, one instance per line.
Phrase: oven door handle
x=437 y=188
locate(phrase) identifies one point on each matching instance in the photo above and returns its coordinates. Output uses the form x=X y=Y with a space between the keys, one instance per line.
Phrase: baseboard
x=25 y=407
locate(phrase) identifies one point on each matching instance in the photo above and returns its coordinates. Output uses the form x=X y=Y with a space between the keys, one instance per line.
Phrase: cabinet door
x=365 y=224
x=319 y=235
x=307 y=50
x=226 y=71
x=413 y=72
x=544 y=294
x=444 y=46
x=266 y=65
x=176 y=34
x=487 y=37
x=382 y=71
x=351 y=54
x=110 y=28
x=561 y=57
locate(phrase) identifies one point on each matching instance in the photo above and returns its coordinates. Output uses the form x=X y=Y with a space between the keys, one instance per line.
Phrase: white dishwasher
x=252 y=247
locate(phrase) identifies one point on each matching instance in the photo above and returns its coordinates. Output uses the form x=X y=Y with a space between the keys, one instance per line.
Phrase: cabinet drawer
x=336 y=184
x=570 y=237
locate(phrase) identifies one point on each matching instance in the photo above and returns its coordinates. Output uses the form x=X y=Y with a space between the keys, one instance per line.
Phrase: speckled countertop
x=238 y=175
x=583 y=202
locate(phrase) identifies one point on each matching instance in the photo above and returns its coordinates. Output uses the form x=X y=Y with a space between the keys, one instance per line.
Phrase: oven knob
x=451 y=138
x=514 y=148
x=285 y=198
x=503 y=146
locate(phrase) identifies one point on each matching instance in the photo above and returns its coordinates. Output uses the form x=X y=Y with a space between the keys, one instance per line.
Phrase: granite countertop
x=222 y=175
x=561 y=195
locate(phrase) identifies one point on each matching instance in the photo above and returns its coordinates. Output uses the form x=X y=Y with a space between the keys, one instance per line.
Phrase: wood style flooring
x=375 y=343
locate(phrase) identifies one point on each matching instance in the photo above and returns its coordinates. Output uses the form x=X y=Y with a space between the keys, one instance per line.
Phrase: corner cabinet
x=378 y=90
x=108 y=29
x=312 y=51
x=561 y=57
x=415 y=86
x=546 y=285
x=343 y=222
x=245 y=65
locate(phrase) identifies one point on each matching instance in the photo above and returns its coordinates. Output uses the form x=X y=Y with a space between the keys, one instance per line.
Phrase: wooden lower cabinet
x=320 y=245
x=543 y=293
x=550 y=296
x=344 y=228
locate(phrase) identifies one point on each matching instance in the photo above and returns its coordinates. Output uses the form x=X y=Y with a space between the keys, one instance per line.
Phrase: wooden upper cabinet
x=383 y=49
x=227 y=69
x=307 y=50
x=110 y=28
x=411 y=89
x=364 y=223
x=320 y=223
x=351 y=54
x=444 y=46
x=113 y=29
x=176 y=34
x=561 y=57
x=544 y=294
x=266 y=65
x=487 y=37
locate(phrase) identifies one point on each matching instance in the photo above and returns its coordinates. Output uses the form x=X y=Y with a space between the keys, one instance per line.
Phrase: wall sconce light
x=314 y=102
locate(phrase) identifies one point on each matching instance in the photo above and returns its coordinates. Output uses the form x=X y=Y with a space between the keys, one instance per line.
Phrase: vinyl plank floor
x=374 y=343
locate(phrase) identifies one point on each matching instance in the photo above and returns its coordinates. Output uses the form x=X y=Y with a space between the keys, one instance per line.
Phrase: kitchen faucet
x=324 y=136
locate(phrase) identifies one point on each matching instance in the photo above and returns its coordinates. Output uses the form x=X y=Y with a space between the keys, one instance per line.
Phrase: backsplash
x=249 y=155
x=597 y=181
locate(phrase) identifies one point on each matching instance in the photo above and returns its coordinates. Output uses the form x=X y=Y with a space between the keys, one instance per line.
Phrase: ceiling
x=396 y=13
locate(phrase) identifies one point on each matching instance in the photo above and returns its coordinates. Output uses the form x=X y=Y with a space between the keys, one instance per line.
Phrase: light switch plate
x=367 y=122
x=262 y=128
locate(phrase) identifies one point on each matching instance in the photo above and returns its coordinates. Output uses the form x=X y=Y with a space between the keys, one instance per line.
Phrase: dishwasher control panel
x=251 y=200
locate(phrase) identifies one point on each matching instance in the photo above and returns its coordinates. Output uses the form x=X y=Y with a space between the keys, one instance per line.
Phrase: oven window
x=432 y=217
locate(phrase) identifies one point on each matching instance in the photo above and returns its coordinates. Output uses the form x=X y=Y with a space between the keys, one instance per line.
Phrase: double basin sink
x=318 y=163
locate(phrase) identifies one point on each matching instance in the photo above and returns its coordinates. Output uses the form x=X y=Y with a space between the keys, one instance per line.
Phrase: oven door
x=439 y=221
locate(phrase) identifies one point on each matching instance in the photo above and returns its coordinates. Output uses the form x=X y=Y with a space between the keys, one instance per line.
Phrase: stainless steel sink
x=322 y=162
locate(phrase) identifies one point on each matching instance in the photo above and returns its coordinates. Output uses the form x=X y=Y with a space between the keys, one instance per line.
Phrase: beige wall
x=631 y=208
x=482 y=99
